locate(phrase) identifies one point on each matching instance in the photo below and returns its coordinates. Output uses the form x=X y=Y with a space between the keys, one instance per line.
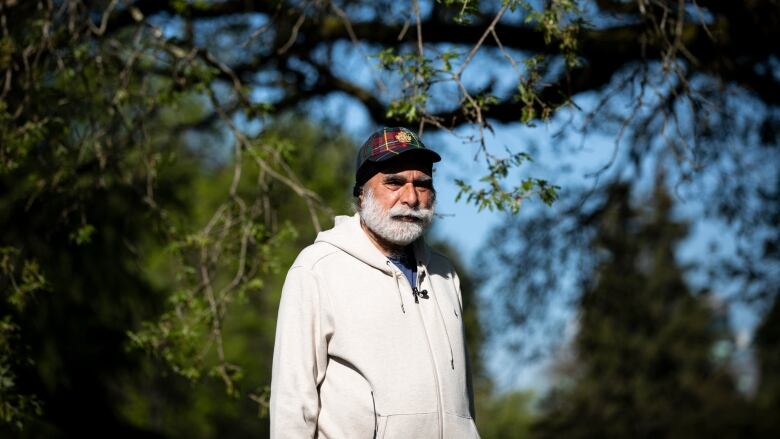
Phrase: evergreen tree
x=767 y=338
x=767 y=348
x=644 y=360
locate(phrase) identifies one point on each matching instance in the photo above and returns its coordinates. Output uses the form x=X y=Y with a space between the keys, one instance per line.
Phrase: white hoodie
x=357 y=357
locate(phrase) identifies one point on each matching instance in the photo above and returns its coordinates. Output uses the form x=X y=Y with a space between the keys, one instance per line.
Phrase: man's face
x=397 y=202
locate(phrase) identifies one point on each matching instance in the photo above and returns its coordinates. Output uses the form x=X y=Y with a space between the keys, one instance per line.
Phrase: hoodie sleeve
x=300 y=356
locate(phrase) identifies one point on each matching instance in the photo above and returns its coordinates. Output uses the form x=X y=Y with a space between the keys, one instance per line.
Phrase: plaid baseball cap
x=386 y=144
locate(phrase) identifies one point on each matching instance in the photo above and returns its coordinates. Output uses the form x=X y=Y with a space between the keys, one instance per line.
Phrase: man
x=369 y=339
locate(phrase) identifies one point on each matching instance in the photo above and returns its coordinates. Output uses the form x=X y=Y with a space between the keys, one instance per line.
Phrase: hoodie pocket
x=422 y=425
x=347 y=406
x=460 y=427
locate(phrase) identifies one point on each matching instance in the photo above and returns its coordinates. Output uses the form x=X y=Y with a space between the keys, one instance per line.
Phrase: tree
x=86 y=85
x=71 y=352
x=502 y=415
x=767 y=398
x=766 y=342
x=72 y=287
x=159 y=401
x=671 y=74
x=644 y=360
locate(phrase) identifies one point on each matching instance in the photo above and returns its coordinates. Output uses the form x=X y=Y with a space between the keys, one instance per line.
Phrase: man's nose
x=409 y=195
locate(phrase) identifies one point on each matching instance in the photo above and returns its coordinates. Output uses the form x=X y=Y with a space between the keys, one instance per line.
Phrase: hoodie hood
x=348 y=235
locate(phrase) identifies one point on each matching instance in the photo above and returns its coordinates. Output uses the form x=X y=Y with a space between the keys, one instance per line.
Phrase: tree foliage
x=650 y=358
x=174 y=406
x=767 y=398
x=78 y=345
x=105 y=104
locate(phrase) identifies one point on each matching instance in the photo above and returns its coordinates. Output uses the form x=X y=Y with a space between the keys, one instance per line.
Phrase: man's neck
x=386 y=247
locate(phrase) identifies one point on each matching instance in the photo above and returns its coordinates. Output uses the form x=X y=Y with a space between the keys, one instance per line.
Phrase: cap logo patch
x=403 y=137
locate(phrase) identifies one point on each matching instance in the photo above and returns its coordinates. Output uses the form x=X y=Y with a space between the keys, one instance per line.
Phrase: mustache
x=421 y=214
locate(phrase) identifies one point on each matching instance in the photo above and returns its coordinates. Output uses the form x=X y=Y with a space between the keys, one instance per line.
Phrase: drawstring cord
x=444 y=324
x=422 y=273
x=397 y=287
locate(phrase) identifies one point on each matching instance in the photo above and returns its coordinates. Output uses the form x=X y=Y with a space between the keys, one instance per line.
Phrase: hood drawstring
x=397 y=287
x=443 y=323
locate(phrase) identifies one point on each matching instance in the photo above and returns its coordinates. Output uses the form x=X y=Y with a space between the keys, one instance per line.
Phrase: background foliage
x=162 y=161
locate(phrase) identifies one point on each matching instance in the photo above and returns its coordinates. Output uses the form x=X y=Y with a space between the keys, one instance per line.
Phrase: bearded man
x=369 y=338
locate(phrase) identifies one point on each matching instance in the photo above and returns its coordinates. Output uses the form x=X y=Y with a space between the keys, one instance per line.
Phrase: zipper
x=417 y=293
x=424 y=293
x=439 y=410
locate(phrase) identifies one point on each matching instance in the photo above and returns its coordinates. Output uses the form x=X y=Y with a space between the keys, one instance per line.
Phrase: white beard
x=383 y=222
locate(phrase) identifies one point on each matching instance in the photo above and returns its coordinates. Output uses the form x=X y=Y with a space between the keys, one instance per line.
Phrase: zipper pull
x=416 y=293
